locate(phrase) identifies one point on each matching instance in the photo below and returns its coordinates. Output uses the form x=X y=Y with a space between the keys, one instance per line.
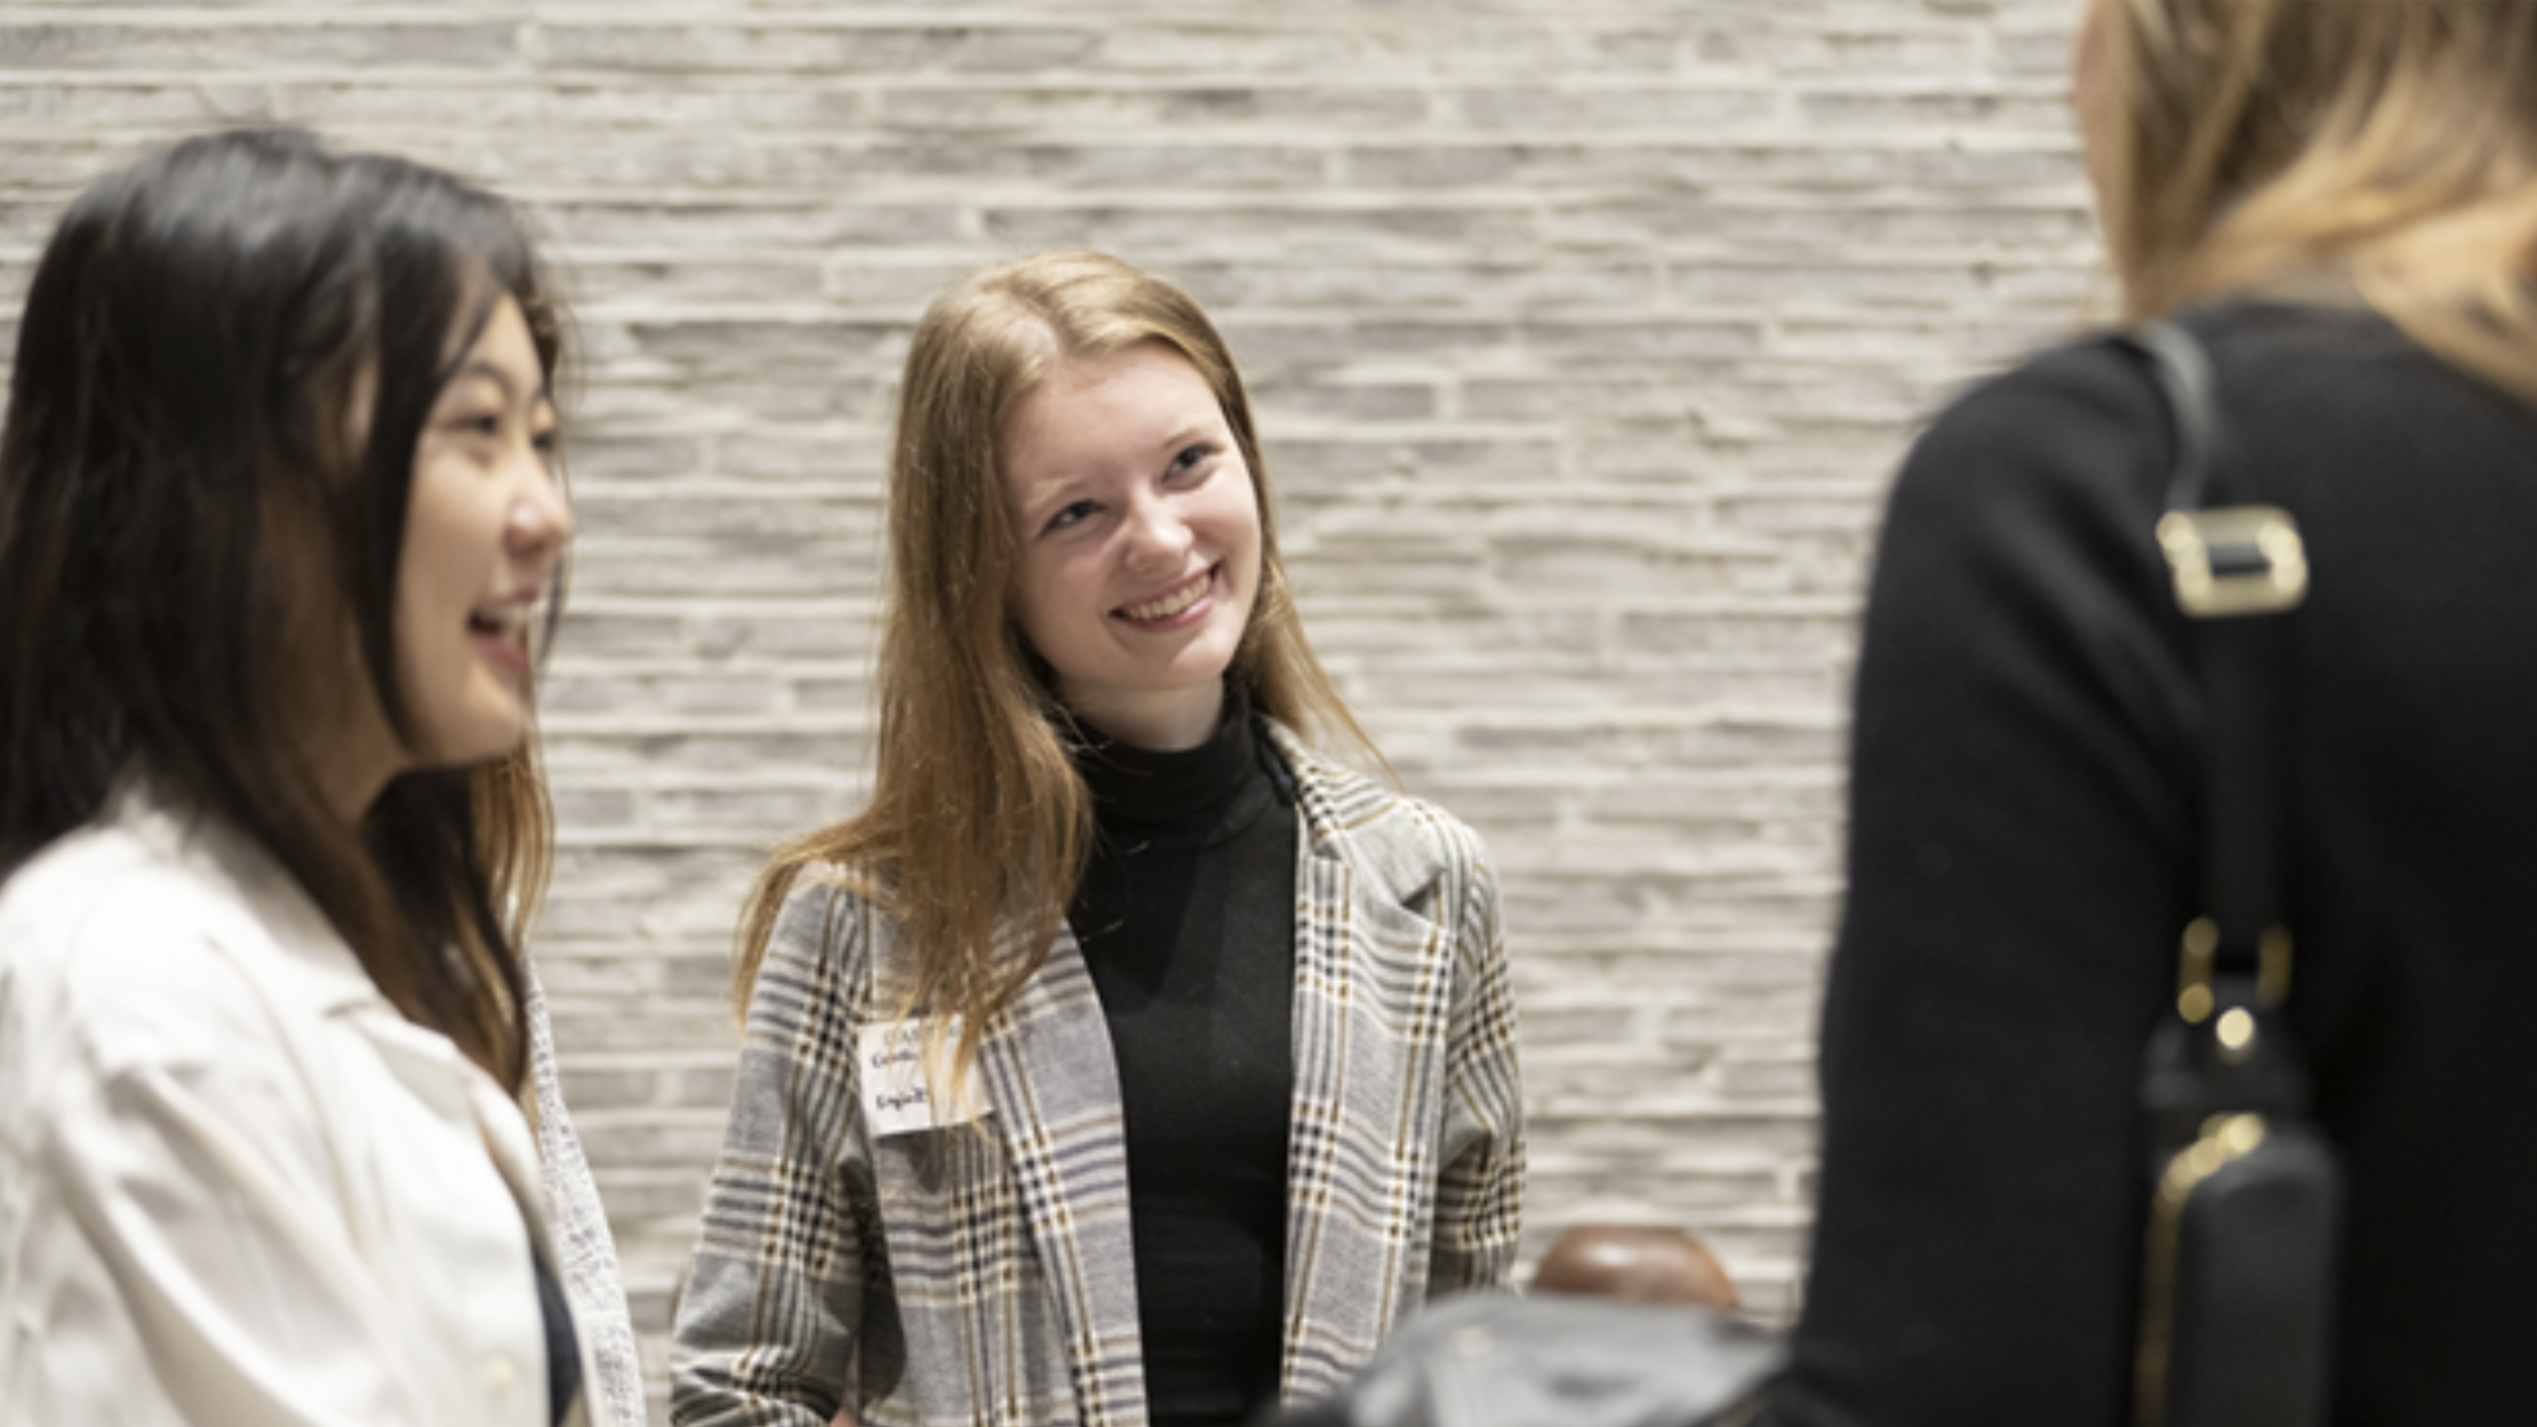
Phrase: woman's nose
x=541 y=519
x=1157 y=537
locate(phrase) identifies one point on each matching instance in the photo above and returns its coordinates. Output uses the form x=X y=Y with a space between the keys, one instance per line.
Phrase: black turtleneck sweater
x=1187 y=920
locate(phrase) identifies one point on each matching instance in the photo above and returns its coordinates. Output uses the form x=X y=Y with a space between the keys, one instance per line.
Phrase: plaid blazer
x=949 y=1277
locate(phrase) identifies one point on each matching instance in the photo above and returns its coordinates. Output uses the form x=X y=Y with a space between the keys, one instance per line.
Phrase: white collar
x=276 y=908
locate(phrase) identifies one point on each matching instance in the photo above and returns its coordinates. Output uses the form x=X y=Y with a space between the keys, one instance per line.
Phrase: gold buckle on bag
x=2236 y=559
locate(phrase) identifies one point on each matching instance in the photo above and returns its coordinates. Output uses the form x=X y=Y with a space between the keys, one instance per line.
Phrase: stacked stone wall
x=1585 y=335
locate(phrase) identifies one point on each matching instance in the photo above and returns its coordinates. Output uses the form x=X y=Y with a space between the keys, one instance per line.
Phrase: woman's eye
x=1073 y=514
x=1191 y=459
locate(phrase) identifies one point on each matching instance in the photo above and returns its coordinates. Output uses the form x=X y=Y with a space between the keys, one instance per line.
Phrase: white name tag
x=898 y=1096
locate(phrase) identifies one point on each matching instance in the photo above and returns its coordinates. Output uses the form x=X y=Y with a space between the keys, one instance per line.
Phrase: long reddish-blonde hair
x=978 y=825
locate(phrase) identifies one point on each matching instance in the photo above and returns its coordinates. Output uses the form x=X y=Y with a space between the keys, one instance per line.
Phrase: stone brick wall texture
x=1586 y=335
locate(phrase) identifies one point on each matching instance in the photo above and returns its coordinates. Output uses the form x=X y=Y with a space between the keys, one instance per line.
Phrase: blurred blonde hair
x=979 y=827
x=2386 y=149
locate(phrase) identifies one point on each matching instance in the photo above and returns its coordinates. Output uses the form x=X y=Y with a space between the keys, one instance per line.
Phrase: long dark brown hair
x=227 y=357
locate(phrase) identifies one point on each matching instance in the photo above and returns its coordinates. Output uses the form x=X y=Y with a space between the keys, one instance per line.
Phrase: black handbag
x=2239 y=1259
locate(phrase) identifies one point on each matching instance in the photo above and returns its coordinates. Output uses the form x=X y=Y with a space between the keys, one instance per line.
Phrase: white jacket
x=236 y=1187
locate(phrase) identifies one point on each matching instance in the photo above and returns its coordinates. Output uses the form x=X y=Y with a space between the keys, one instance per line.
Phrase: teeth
x=509 y=618
x=1169 y=604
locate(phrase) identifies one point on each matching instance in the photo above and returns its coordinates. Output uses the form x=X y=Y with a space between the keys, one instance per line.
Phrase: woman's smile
x=1179 y=606
x=499 y=631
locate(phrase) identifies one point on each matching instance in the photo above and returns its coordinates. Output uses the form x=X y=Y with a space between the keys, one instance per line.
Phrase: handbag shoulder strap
x=2237 y=1275
x=2235 y=570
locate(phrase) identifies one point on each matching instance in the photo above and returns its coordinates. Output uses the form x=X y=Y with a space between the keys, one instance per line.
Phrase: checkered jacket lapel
x=1402 y=1018
x=989 y=1277
x=1054 y=1083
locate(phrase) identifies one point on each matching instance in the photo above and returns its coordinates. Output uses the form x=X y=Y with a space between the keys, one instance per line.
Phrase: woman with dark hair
x=2338 y=201
x=279 y=531
x=1126 y=1059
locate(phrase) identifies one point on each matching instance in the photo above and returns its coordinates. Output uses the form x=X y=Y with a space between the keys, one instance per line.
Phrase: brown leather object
x=1640 y=1263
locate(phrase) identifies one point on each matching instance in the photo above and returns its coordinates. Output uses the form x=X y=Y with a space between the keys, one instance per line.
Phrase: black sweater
x=1187 y=920
x=2023 y=811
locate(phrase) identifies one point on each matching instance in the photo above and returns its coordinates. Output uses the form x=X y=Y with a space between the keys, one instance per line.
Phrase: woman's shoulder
x=2080 y=434
x=2075 y=395
x=114 y=892
x=2325 y=381
x=820 y=894
x=831 y=915
x=71 y=879
x=2090 y=405
x=92 y=912
x=128 y=953
x=1373 y=824
x=2064 y=454
x=2103 y=365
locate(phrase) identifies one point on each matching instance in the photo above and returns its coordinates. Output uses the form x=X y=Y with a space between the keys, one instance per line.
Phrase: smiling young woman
x=278 y=520
x=1214 y=1051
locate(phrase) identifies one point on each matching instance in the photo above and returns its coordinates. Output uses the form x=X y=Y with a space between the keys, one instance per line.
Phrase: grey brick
x=236 y=48
x=1584 y=339
x=1570 y=112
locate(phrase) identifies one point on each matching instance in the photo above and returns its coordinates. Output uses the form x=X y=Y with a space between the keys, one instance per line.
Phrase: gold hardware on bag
x=2193 y=973
x=2224 y=1138
x=2237 y=1034
x=2272 y=966
x=2195 y=967
x=2237 y=559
